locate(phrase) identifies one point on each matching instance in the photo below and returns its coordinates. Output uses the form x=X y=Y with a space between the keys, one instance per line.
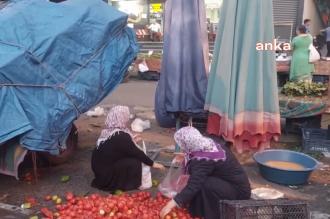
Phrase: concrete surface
x=132 y=93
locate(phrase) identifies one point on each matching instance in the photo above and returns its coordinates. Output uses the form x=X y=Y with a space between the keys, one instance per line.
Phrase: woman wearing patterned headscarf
x=117 y=160
x=215 y=174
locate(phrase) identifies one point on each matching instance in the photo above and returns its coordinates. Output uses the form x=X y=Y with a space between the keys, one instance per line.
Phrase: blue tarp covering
x=56 y=62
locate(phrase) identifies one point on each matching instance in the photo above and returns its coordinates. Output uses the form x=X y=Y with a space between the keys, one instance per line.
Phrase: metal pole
x=177 y=148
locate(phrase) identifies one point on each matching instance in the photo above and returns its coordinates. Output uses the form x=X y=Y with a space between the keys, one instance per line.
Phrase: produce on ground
x=65 y=179
x=124 y=206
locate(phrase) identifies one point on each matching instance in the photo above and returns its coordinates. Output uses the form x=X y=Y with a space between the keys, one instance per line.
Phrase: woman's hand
x=167 y=209
x=137 y=138
x=158 y=166
x=179 y=158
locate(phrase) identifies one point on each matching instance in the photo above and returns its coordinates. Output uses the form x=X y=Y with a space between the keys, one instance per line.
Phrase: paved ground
x=136 y=93
x=139 y=95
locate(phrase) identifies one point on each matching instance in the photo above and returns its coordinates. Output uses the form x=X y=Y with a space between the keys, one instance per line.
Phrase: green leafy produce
x=65 y=179
x=304 y=88
x=118 y=192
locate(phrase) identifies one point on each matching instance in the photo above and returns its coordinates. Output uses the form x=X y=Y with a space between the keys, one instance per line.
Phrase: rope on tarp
x=34 y=57
x=46 y=67
x=59 y=87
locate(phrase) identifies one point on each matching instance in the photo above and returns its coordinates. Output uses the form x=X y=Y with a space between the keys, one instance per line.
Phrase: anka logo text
x=273 y=46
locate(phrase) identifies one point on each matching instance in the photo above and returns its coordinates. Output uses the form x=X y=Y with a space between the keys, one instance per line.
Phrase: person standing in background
x=301 y=69
x=155 y=30
x=327 y=31
x=307 y=24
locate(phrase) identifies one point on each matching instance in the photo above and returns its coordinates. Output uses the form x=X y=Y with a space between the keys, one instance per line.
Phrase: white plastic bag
x=98 y=111
x=143 y=67
x=146 y=181
x=138 y=125
x=314 y=55
x=266 y=193
x=174 y=182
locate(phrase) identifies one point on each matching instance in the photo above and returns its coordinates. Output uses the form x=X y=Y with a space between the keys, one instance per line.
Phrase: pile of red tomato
x=125 y=206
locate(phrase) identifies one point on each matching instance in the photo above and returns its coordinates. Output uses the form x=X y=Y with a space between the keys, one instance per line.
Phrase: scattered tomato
x=47 y=213
x=69 y=196
x=168 y=217
x=26 y=205
x=31 y=200
x=48 y=198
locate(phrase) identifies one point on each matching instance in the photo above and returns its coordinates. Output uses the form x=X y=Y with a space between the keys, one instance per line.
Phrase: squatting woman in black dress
x=117 y=160
x=215 y=174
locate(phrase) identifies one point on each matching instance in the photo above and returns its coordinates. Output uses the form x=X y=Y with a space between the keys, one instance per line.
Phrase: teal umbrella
x=242 y=93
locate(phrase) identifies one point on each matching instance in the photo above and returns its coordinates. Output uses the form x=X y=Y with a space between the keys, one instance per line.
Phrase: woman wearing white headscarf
x=215 y=174
x=116 y=161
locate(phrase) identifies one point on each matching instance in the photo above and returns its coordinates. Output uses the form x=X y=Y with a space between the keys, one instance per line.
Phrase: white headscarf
x=190 y=139
x=116 y=121
x=196 y=146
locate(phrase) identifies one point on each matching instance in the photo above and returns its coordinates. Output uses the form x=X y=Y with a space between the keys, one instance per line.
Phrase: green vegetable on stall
x=304 y=88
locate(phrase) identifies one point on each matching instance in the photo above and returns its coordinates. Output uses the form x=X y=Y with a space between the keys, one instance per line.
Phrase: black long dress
x=117 y=164
x=211 y=182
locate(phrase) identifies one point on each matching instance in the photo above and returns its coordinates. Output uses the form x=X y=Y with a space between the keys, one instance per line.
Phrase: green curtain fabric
x=242 y=87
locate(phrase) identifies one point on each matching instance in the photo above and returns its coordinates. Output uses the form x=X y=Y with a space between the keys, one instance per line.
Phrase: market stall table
x=322 y=68
x=302 y=111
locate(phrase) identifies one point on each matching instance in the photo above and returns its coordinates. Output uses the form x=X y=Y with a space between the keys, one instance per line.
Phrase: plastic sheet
x=175 y=180
x=56 y=62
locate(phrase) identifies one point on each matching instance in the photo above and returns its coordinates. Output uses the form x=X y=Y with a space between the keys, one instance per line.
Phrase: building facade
x=288 y=14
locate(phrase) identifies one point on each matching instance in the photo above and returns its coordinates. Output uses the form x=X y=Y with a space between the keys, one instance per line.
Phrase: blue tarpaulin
x=56 y=62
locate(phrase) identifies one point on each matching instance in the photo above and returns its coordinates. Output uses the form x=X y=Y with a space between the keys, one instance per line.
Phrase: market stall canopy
x=242 y=90
x=56 y=62
x=183 y=81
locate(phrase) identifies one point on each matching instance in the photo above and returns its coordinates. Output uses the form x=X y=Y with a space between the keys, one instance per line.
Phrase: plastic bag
x=138 y=125
x=175 y=180
x=146 y=181
x=314 y=55
x=143 y=67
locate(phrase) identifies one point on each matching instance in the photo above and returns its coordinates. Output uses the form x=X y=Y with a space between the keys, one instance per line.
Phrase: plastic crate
x=264 y=209
x=294 y=125
x=315 y=140
x=321 y=79
x=199 y=121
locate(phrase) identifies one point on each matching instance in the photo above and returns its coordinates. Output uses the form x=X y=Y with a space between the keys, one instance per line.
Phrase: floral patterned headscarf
x=196 y=146
x=116 y=121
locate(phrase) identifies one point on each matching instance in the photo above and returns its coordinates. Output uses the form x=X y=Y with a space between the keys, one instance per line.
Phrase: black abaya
x=211 y=182
x=116 y=164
